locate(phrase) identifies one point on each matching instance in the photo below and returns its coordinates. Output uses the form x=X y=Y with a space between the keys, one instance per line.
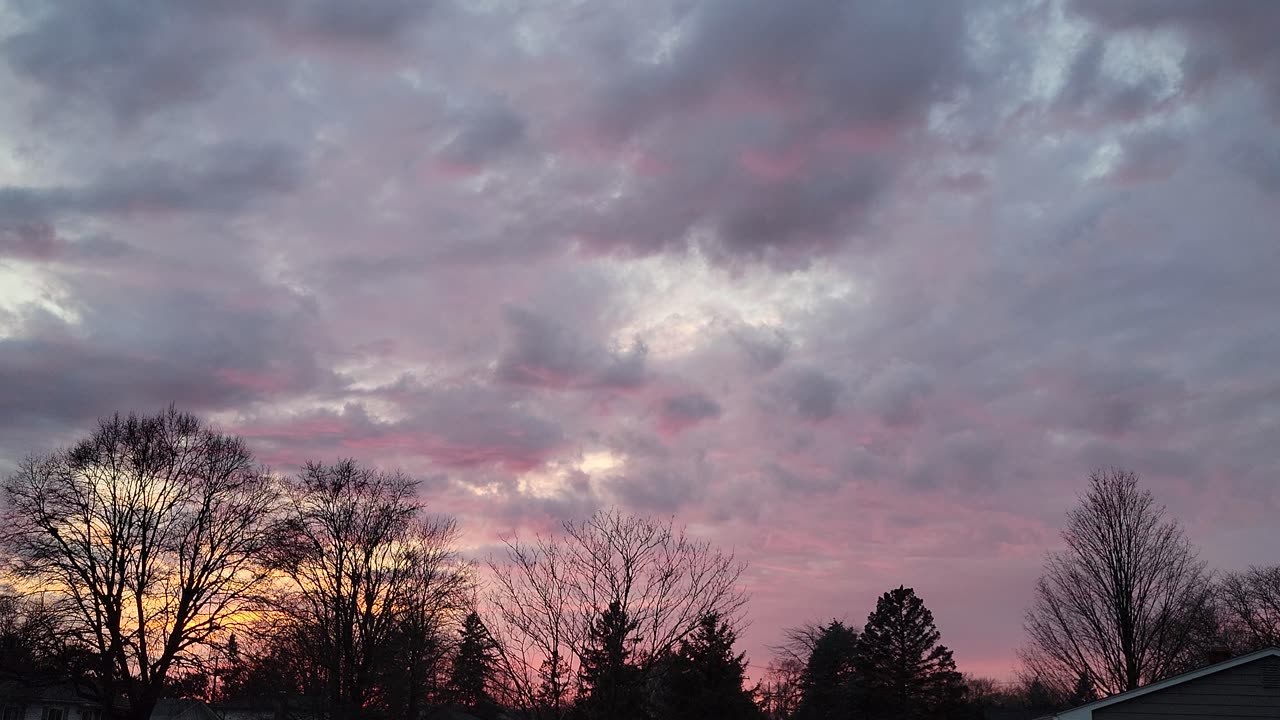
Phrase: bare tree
x=1250 y=603
x=1126 y=602
x=146 y=536
x=363 y=564
x=547 y=593
x=781 y=689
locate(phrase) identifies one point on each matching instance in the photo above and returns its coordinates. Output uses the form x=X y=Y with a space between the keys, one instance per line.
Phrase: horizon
x=862 y=291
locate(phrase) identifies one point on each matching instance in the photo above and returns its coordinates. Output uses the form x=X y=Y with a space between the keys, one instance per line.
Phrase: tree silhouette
x=552 y=693
x=1251 y=607
x=608 y=681
x=473 y=664
x=704 y=678
x=1083 y=691
x=362 y=562
x=1039 y=698
x=146 y=537
x=1127 y=601
x=827 y=684
x=904 y=671
x=548 y=594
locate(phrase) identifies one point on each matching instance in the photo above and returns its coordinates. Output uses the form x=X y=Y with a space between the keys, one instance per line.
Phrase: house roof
x=1085 y=712
x=181 y=709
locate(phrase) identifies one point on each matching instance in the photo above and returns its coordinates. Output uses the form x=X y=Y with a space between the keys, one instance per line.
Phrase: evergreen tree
x=705 y=677
x=609 y=686
x=1039 y=699
x=553 y=686
x=473 y=664
x=827 y=685
x=1083 y=692
x=906 y=673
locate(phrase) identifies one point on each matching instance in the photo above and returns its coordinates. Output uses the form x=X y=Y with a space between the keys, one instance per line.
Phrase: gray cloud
x=545 y=353
x=1093 y=94
x=832 y=259
x=810 y=394
x=1148 y=157
x=29 y=241
x=488 y=130
x=223 y=178
x=681 y=411
x=135 y=57
x=765 y=348
x=820 y=73
x=1225 y=38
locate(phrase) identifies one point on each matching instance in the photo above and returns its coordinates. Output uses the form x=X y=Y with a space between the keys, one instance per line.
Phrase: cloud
x=545 y=353
x=147 y=350
x=1147 y=157
x=1093 y=93
x=787 y=116
x=134 y=58
x=130 y=56
x=811 y=394
x=488 y=130
x=843 y=62
x=219 y=179
x=29 y=241
x=898 y=394
x=921 y=266
x=1223 y=38
x=681 y=411
x=764 y=347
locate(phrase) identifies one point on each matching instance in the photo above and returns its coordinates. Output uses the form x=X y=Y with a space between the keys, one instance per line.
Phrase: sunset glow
x=859 y=291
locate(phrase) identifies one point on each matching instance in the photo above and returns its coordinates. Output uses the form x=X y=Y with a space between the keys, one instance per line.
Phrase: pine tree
x=1083 y=692
x=552 y=692
x=473 y=664
x=827 y=685
x=1039 y=699
x=230 y=676
x=705 y=677
x=608 y=681
x=906 y=673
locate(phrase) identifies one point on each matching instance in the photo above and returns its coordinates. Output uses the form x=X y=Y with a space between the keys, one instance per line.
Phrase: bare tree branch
x=146 y=535
x=547 y=593
x=1126 y=602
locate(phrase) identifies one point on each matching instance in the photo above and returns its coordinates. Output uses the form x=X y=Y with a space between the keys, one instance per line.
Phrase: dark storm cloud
x=543 y=352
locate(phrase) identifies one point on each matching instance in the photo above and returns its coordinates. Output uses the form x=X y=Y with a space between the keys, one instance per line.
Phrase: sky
x=860 y=290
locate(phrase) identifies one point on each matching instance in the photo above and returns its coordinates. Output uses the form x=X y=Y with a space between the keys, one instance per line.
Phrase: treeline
x=1126 y=603
x=157 y=558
